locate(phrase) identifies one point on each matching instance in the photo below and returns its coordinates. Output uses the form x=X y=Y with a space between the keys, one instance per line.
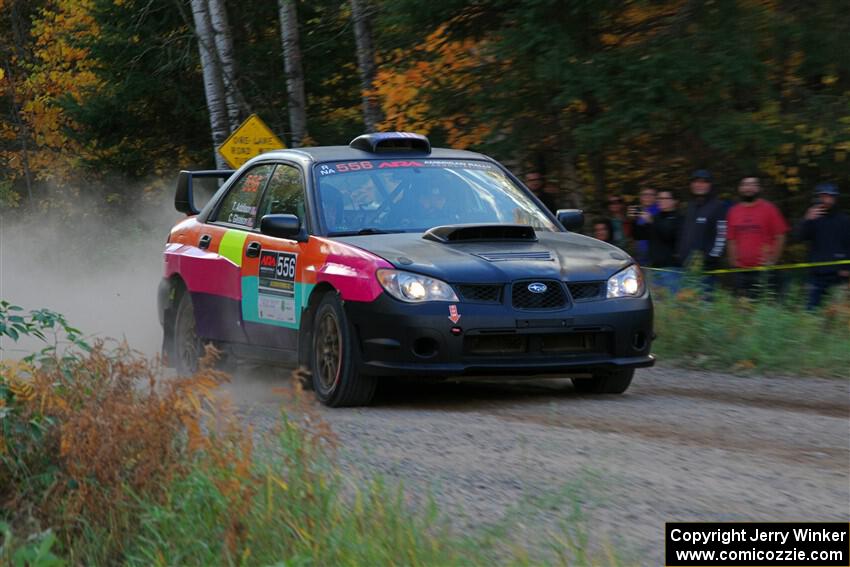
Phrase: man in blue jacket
x=703 y=232
x=828 y=232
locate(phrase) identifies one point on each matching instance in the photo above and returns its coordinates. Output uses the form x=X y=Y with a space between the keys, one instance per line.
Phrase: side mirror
x=571 y=219
x=183 y=201
x=283 y=226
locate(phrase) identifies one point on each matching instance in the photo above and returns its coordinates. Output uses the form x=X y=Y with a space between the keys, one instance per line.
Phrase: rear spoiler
x=183 y=201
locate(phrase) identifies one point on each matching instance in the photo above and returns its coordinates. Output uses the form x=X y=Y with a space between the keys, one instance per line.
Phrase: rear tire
x=605 y=382
x=334 y=360
x=188 y=348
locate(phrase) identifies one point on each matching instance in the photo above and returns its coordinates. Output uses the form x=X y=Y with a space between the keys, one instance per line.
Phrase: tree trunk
x=597 y=168
x=23 y=128
x=568 y=156
x=360 y=14
x=294 y=72
x=596 y=157
x=213 y=83
x=224 y=50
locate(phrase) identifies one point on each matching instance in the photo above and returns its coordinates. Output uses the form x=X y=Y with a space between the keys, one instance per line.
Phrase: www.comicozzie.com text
x=743 y=534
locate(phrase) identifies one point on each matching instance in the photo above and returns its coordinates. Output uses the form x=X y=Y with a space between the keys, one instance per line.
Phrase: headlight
x=627 y=283
x=415 y=288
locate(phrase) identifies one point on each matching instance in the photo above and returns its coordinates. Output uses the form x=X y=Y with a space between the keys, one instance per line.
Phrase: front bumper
x=403 y=339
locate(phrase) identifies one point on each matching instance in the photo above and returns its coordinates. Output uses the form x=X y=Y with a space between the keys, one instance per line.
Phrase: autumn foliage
x=603 y=96
x=85 y=436
x=104 y=459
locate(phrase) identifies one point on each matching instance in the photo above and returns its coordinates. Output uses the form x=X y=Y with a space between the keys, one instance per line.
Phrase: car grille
x=553 y=298
x=480 y=293
x=538 y=344
x=585 y=291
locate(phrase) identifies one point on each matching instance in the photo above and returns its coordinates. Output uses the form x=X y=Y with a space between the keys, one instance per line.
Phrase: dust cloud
x=99 y=269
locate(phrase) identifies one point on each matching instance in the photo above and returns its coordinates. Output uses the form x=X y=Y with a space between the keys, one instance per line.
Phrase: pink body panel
x=350 y=270
x=203 y=272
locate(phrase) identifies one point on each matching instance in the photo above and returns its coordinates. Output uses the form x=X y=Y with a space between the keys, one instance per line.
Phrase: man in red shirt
x=756 y=237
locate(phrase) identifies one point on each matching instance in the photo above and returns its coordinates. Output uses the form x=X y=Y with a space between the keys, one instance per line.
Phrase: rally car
x=390 y=258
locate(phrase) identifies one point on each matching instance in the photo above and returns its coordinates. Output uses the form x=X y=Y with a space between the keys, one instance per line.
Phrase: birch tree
x=360 y=14
x=227 y=65
x=8 y=79
x=213 y=83
x=294 y=71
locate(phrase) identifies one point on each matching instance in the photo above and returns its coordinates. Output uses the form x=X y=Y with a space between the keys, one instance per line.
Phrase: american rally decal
x=276 y=286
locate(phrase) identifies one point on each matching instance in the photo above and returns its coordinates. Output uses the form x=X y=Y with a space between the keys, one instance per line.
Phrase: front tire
x=334 y=360
x=605 y=382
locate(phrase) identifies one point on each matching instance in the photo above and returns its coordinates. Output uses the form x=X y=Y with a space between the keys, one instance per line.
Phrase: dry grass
x=104 y=461
x=85 y=437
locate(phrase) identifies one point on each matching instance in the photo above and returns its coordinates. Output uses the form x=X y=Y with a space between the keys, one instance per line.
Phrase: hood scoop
x=481 y=233
x=516 y=256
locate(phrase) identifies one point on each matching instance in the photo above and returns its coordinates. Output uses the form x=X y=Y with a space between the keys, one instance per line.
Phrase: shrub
x=725 y=332
x=88 y=431
x=104 y=461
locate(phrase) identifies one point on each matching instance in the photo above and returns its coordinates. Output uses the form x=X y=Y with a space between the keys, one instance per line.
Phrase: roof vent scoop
x=481 y=232
x=386 y=142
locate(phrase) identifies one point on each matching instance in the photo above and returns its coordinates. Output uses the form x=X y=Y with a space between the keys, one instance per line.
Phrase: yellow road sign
x=251 y=139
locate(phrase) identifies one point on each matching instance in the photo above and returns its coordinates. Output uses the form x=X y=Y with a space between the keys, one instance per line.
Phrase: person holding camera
x=661 y=232
x=827 y=230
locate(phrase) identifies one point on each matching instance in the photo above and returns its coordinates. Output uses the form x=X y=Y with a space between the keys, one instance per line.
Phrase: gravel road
x=678 y=446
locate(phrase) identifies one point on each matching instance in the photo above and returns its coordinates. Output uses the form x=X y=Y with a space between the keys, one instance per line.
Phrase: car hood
x=571 y=257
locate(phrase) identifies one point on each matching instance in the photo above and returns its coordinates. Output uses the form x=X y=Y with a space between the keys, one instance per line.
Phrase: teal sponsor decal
x=279 y=308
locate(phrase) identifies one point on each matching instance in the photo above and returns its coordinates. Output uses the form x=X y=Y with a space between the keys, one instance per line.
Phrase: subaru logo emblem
x=537 y=287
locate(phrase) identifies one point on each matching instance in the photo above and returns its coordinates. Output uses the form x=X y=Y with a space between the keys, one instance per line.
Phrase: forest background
x=110 y=98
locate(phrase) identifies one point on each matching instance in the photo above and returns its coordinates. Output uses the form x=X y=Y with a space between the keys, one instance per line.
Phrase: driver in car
x=365 y=195
x=433 y=211
x=332 y=207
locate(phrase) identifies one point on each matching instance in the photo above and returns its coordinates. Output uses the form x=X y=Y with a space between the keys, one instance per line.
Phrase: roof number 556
x=353 y=166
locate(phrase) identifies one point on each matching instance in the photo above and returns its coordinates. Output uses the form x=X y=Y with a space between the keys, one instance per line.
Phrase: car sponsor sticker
x=244 y=208
x=454 y=316
x=354 y=166
x=276 y=286
x=276 y=308
x=241 y=220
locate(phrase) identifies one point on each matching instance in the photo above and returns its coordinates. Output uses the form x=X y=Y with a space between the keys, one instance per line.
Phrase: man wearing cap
x=537 y=184
x=828 y=232
x=703 y=234
x=756 y=237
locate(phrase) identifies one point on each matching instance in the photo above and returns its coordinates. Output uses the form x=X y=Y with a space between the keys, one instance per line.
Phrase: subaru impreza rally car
x=390 y=258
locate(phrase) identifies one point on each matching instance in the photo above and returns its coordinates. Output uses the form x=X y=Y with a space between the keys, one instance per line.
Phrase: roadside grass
x=567 y=538
x=767 y=335
x=103 y=461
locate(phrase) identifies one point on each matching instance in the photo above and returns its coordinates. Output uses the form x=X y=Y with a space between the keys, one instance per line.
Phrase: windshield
x=374 y=196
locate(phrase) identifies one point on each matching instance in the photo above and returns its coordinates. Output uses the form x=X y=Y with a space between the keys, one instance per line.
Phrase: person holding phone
x=827 y=230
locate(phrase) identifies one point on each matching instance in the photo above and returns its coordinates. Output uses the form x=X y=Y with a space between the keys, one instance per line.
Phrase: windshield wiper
x=364 y=231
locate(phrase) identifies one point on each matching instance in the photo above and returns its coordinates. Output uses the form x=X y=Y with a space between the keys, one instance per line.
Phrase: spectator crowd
x=707 y=232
